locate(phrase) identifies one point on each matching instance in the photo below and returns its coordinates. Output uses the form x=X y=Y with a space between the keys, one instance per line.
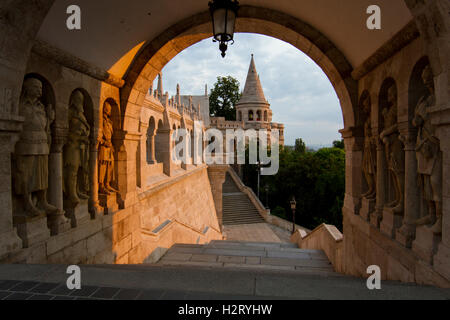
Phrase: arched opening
x=265 y=116
x=258 y=115
x=159 y=143
x=250 y=115
x=151 y=153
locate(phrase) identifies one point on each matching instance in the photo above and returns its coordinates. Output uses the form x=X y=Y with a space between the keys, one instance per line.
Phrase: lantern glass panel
x=231 y=23
x=219 y=23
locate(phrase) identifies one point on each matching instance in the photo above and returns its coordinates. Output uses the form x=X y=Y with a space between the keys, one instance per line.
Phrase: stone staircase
x=283 y=257
x=237 y=207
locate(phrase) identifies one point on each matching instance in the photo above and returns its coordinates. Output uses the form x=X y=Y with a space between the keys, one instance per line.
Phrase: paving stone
x=4 y=294
x=63 y=298
x=41 y=297
x=24 y=286
x=105 y=293
x=8 y=284
x=85 y=291
x=61 y=290
x=18 y=296
x=44 y=287
x=127 y=294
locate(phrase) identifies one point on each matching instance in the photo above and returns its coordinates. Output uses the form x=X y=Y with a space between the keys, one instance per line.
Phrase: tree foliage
x=224 y=97
x=316 y=179
x=300 y=146
x=339 y=144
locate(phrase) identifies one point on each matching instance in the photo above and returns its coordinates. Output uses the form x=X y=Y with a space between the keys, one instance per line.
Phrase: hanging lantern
x=223 y=14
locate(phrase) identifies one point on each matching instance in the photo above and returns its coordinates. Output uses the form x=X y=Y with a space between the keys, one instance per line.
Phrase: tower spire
x=253 y=91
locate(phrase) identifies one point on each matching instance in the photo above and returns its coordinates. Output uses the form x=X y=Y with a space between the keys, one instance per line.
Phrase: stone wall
x=134 y=235
x=156 y=203
x=374 y=232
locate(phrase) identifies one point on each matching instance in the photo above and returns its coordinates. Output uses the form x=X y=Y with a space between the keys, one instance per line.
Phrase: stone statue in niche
x=106 y=153
x=369 y=155
x=429 y=158
x=394 y=150
x=32 y=151
x=76 y=152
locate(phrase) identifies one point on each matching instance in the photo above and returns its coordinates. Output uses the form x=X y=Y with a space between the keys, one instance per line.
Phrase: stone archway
x=153 y=57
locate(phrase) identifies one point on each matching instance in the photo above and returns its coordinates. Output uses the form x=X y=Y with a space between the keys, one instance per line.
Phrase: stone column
x=353 y=139
x=375 y=218
x=57 y=223
x=405 y=235
x=9 y=130
x=94 y=206
x=216 y=174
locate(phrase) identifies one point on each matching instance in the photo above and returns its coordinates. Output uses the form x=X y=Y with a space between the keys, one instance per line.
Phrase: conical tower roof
x=253 y=91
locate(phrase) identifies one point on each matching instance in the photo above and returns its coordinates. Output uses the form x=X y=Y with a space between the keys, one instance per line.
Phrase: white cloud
x=300 y=94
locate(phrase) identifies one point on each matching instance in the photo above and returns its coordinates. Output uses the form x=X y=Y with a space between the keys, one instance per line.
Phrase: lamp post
x=259 y=175
x=293 y=206
x=223 y=15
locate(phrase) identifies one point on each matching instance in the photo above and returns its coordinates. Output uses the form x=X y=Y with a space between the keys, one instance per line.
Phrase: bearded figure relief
x=429 y=158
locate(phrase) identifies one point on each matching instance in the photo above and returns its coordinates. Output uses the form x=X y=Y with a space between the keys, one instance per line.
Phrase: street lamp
x=259 y=175
x=293 y=205
x=223 y=15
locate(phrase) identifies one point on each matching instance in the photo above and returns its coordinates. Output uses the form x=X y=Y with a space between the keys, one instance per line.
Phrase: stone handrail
x=326 y=238
x=172 y=223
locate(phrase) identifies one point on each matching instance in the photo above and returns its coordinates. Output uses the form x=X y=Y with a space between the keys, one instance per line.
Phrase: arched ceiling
x=111 y=28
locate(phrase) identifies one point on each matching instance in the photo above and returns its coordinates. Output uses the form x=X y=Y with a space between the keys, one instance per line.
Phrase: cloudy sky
x=300 y=94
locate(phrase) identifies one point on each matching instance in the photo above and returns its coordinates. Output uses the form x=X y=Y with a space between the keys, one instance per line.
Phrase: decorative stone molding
x=404 y=37
x=67 y=60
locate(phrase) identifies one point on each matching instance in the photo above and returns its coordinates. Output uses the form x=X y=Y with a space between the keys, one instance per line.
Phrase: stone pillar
x=376 y=217
x=217 y=174
x=57 y=223
x=166 y=147
x=9 y=241
x=151 y=151
x=353 y=139
x=94 y=206
x=405 y=235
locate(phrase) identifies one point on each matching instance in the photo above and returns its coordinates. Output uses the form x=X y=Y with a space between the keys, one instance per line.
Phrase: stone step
x=242 y=221
x=279 y=257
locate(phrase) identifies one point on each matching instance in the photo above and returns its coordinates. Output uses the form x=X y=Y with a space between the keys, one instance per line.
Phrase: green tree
x=224 y=97
x=300 y=146
x=339 y=144
x=315 y=178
